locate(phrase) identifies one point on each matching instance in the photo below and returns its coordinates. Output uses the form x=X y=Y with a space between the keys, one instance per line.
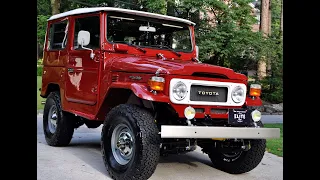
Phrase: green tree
x=226 y=38
x=43 y=7
x=41 y=32
x=157 y=6
x=272 y=84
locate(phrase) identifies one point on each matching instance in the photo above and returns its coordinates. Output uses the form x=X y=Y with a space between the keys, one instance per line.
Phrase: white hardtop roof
x=127 y=11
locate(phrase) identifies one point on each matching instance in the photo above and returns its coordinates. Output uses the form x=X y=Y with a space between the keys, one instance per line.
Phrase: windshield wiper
x=129 y=44
x=137 y=47
x=169 y=48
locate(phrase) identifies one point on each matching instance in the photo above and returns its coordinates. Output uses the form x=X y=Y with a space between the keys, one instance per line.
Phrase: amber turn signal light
x=255 y=90
x=156 y=83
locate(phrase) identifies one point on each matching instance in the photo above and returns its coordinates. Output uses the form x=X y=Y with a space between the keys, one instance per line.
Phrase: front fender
x=141 y=91
x=253 y=102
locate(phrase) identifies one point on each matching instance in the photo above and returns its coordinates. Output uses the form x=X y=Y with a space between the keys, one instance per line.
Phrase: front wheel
x=238 y=162
x=130 y=143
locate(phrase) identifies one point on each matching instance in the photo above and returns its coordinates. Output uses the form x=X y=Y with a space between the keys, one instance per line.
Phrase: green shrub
x=272 y=90
x=39 y=62
x=39 y=70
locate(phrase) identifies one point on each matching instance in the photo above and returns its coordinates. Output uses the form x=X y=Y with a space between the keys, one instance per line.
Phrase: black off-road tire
x=146 y=144
x=247 y=161
x=65 y=122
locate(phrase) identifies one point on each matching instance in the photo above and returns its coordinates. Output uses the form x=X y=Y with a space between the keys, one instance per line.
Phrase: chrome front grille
x=208 y=93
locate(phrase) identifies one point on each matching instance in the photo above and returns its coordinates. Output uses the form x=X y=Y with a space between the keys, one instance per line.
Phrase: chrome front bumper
x=206 y=132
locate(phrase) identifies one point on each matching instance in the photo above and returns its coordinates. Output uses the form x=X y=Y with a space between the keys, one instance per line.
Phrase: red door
x=82 y=71
x=55 y=51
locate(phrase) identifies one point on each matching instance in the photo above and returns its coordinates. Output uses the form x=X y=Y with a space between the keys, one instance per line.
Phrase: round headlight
x=179 y=91
x=238 y=94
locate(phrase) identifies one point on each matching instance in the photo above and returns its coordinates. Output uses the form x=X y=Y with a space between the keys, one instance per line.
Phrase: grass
x=39 y=99
x=275 y=146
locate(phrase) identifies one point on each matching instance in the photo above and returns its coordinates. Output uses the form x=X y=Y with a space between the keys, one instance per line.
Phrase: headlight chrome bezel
x=174 y=92
x=234 y=99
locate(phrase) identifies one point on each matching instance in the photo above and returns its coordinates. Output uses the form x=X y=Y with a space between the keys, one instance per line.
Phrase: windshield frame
x=147 y=19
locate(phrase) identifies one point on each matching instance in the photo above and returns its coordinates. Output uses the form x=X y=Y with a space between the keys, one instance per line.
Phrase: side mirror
x=84 y=40
x=121 y=47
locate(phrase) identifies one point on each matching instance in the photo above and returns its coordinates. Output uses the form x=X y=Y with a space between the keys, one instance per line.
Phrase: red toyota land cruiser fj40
x=138 y=74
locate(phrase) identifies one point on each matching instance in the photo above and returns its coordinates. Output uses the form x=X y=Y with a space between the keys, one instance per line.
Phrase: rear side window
x=90 y=24
x=58 y=36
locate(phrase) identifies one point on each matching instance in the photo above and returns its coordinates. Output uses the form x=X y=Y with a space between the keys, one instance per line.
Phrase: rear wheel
x=58 y=126
x=130 y=143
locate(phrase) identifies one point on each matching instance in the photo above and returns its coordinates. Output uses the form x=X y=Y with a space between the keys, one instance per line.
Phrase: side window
x=58 y=35
x=90 y=24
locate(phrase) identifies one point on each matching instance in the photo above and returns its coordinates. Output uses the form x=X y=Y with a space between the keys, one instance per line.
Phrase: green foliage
x=39 y=98
x=41 y=31
x=40 y=62
x=229 y=40
x=43 y=7
x=275 y=16
x=157 y=6
x=41 y=27
x=39 y=70
x=272 y=85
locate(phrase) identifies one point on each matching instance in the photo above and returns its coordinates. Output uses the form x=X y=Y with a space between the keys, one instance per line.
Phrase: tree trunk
x=281 y=19
x=270 y=19
x=55 y=5
x=170 y=8
x=264 y=28
x=269 y=33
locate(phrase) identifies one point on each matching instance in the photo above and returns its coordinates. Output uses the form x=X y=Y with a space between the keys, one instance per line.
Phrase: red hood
x=174 y=67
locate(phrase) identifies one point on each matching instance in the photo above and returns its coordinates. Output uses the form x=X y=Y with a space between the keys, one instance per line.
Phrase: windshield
x=147 y=32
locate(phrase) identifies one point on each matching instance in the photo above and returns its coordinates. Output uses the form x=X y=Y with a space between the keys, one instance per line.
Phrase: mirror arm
x=91 y=54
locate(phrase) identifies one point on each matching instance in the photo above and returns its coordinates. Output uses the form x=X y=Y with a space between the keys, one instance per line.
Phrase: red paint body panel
x=84 y=90
x=174 y=67
x=142 y=91
x=253 y=102
x=121 y=47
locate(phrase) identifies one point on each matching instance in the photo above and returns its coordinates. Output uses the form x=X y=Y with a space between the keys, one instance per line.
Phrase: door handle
x=70 y=70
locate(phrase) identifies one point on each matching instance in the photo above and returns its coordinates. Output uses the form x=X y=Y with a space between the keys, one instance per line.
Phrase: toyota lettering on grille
x=208 y=93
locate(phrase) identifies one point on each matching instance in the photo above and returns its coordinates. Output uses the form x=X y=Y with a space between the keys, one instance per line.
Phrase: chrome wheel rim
x=122 y=144
x=52 y=119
